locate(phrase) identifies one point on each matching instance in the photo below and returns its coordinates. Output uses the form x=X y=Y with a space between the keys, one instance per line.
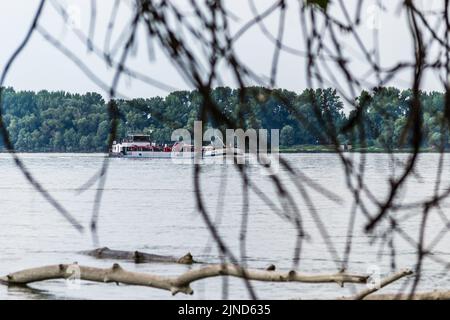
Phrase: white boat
x=212 y=151
x=141 y=146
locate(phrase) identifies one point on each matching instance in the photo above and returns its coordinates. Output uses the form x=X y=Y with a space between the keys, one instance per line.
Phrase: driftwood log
x=388 y=280
x=367 y=293
x=137 y=256
x=433 y=295
x=181 y=283
x=174 y=284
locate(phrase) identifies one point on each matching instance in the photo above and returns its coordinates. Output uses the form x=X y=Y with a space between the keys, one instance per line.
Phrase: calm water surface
x=149 y=205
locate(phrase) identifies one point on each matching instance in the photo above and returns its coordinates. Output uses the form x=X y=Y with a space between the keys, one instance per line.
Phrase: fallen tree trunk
x=173 y=284
x=137 y=256
x=432 y=295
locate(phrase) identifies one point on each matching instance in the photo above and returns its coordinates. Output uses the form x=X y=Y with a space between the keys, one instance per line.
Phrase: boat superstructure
x=141 y=146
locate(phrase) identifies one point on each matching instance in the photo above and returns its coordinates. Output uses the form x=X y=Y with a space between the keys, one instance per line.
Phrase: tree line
x=64 y=122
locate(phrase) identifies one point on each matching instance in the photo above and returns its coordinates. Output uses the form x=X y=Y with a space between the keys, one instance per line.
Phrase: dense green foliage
x=64 y=122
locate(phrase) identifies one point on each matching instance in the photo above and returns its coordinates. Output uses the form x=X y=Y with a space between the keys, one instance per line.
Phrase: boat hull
x=172 y=155
x=151 y=155
x=175 y=155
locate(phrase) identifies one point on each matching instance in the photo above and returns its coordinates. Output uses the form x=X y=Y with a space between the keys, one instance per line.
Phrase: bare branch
x=173 y=284
x=383 y=283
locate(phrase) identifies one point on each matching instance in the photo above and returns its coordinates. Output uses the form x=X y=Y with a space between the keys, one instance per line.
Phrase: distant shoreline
x=286 y=151
x=371 y=149
x=361 y=151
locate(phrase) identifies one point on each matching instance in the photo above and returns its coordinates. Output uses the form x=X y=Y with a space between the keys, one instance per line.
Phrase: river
x=149 y=205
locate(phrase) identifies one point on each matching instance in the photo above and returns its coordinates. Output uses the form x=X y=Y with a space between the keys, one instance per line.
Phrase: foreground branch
x=173 y=284
x=137 y=256
x=385 y=282
x=432 y=295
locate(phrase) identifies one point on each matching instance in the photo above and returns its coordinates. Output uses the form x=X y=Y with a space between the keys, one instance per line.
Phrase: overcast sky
x=41 y=66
